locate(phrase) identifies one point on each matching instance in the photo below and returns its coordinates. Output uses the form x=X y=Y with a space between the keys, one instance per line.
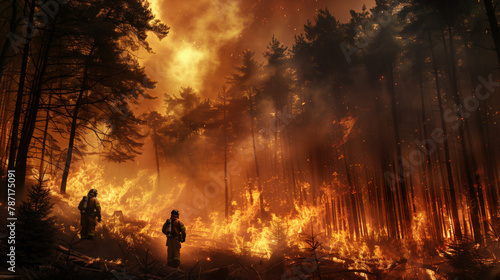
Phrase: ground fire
x=247 y=139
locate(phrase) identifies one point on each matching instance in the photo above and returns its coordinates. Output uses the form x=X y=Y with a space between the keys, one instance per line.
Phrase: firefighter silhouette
x=176 y=234
x=90 y=209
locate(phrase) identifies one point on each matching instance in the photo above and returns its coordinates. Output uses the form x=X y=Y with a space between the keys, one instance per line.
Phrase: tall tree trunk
x=389 y=206
x=157 y=158
x=406 y=222
x=353 y=196
x=449 y=174
x=32 y=111
x=481 y=123
x=372 y=202
x=361 y=211
x=427 y=172
x=284 y=168
x=19 y=100
x=479 y=185
x=226 y=195
x=491 y=166
x=495 y=29
x=275 y=139
x=41 y=170
x=249 y=182
x=473 y=203
x=300 y=178
x=312 y=166
x=7 y=44
x=387 y=211
x=4 y=145
x=261 y=197
x=334 y=215
x=328 y=222
x=286 y=145
x=74 y=125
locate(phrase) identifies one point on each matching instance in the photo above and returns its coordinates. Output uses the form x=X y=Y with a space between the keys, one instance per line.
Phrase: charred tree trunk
x=491 y=167
x=312 y=166
x=157 y=158
x=261 y=197
x=385 y=191
x=427 y=172
x=473 y=203
x=373 y=200
x=449 y=174
x=41 y=170
x=226 y=194
x=4 y=145
x=74 y=124
x=8 y=40
x=249 y=181
x=32 y=111
x=362 y=214
x=286 y=145
x=284 y=169
x=20 y=93
x=481 y=123
x=353 y=196
x=389 y=206
x=493 y=22
x=276 y=139
x=406 y=219
x=334 y=215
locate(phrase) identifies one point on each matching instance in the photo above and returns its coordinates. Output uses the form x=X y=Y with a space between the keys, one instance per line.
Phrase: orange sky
x=207 y=37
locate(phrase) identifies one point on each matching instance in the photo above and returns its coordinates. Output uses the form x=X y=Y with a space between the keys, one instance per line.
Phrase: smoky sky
x=207 y=37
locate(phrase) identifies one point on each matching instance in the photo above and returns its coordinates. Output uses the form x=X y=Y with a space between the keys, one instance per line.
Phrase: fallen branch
x=215 y=269
x=353 y=271
x=91 y=269
x=249 y=269
x=65 y=250
x=242 y=265
x=432 y=268
x=189 y=274
x=396 y=263
x=167 y=277
x=258 y=274
x=84 y=261
x=275 y=265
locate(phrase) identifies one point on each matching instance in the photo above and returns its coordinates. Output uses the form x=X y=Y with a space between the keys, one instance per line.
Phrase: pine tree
x=36 y=229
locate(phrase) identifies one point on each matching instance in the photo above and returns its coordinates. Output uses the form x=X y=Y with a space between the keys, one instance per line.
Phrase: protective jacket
x=88 y=217
x=174 y=242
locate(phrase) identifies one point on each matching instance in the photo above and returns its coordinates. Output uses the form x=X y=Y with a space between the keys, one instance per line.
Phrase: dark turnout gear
x=176 y=234
x=90 y=209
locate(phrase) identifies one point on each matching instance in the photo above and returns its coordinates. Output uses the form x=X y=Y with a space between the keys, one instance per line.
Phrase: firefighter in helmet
x=90 y=209
x=176 y=234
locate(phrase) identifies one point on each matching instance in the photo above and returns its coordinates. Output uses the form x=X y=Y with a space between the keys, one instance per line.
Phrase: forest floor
x=107 y=258
x=110 y=256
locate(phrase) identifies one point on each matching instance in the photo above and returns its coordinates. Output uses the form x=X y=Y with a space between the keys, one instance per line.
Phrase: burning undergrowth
x=290 y=244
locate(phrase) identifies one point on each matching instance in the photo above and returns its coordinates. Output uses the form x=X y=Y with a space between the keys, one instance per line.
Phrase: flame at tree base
x=136 y=210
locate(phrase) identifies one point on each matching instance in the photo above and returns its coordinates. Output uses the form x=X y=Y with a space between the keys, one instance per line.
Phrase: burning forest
x=323 y=139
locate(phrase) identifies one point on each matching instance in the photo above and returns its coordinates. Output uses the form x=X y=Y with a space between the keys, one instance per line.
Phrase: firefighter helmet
x=175 y=212
x=93 y=192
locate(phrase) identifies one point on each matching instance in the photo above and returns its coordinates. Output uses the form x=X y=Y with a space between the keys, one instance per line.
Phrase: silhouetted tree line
x=69 y=73
x=420 y=158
